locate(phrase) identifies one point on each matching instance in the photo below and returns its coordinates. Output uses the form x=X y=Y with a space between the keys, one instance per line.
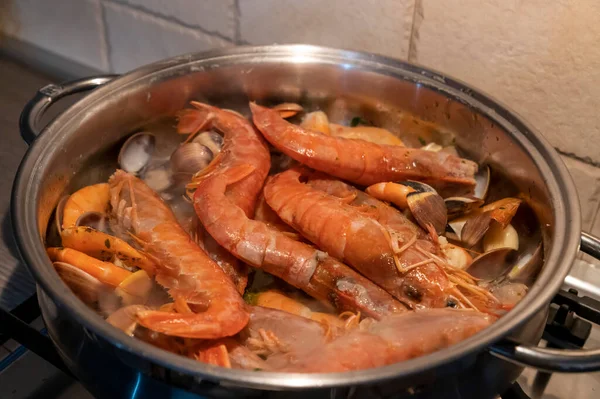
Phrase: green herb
x=257 y=369
x=251 y=297
x=422 y=140
x=357 y=120
x=107 y=243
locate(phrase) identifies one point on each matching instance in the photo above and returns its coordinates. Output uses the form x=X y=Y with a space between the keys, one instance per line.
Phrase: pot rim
x=566 y=221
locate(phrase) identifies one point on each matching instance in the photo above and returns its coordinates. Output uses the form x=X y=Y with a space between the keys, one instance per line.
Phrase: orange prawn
x=360 y=161
x=396 y=258
x=216 y=308
x=394 y=339
x=243 y=193
x=264 y=247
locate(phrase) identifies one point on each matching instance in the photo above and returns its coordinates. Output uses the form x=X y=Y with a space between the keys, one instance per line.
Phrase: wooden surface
x=17 y=85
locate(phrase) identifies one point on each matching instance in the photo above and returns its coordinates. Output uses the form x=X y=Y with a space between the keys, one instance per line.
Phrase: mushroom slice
x=498 y=237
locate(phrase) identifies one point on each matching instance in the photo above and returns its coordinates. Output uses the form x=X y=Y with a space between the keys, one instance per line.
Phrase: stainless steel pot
x=75 y=149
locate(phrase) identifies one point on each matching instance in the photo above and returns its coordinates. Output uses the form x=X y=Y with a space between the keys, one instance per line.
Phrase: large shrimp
x=394 y=258
x=264 y=247
x=251 y=150
x=362 y=162
x=394 y=339
x=216 y=308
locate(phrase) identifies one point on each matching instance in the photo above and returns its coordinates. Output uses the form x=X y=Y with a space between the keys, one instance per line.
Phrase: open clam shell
x=86 y=287
x=482 y=182
x=212 y=140
x=96 y=220
x=459 y=206
x=190 y=158
x=490 y=265
x=136 y=152
x=428 y=209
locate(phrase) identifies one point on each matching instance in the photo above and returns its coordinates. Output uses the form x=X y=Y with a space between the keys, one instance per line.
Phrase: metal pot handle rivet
x=46 y=96
x=548 y=359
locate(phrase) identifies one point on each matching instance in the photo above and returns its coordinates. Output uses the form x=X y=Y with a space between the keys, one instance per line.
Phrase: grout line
x=107 y=40
x=586 y=160
x=104 y=45
x=169 y=18
x=414 y=32
x=237 y=31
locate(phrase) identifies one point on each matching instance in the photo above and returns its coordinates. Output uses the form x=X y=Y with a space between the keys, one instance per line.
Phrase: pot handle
x=48 y=95
x=558 y=360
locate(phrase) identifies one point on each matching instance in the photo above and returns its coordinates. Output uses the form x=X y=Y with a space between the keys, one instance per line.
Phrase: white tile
x=377 y=26
x=211 y=15
x=540 y=57
x=587 y=181
x=69 y=28
x=136 y=38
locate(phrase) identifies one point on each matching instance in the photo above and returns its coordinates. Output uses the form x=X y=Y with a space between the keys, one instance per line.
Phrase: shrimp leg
x=183 y=268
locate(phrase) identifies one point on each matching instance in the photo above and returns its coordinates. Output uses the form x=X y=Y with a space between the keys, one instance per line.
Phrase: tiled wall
x=540 y=57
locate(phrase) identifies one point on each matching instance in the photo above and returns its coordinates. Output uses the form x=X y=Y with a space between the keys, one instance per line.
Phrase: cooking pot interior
x=413 y=106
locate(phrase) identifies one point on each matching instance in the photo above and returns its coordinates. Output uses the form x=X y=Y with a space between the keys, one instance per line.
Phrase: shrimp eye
x=451 y=303
x=413 y=293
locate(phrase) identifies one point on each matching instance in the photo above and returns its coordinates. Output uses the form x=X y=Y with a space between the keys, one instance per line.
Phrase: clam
x=471 y=228
x=190 y=158
x=493 y=264
x=86 y=287
x=459 y=206
x=58 y=213
x=482 y=182
x=212 y=140
x=527 y=266
x=136 y=153
x=428 y=209
x=96 y=220
x=287 y=110
x=474 y=228
x=506 y=265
